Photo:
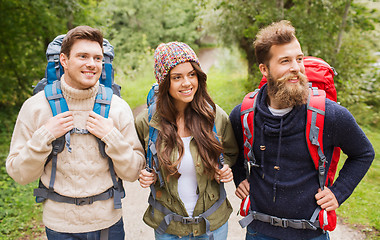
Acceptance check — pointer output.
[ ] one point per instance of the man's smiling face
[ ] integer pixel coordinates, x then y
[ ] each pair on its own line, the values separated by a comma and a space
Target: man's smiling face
84, 66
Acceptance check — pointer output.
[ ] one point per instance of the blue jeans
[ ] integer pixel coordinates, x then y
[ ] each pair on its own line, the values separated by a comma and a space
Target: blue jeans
219, 234
116, 232
253, 235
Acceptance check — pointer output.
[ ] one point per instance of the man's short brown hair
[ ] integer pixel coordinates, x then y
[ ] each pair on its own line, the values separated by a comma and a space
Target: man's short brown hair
277, 33
80, 32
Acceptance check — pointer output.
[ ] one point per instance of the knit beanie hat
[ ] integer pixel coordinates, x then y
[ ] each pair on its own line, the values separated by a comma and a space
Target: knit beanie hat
169, 55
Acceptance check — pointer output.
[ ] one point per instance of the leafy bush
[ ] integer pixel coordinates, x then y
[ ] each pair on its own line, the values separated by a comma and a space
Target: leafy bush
19, 214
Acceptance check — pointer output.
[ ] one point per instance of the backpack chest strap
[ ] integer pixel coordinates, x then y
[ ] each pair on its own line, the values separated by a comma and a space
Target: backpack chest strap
43, 193
311, 224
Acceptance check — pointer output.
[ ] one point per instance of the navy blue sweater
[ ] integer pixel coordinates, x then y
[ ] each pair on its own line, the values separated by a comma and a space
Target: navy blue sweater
289, 192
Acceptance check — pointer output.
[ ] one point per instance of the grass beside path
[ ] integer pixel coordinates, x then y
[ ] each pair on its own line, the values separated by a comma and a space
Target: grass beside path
226, 79
361, 209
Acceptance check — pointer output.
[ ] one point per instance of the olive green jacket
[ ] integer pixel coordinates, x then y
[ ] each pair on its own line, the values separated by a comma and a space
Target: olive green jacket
208, 189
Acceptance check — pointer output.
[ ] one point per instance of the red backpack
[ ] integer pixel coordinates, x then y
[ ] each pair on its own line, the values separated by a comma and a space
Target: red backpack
321, 76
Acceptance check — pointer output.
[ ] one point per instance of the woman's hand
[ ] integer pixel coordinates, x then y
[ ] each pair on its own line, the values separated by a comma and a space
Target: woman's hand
147, 178
224, 174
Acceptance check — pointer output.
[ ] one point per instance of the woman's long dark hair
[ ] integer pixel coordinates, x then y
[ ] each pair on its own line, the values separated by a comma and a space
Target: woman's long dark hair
199, 119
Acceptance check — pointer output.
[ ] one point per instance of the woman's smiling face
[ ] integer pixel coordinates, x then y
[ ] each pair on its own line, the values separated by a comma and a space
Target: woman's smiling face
183, 84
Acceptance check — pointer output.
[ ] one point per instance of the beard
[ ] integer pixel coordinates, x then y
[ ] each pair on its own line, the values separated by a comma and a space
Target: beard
289, 95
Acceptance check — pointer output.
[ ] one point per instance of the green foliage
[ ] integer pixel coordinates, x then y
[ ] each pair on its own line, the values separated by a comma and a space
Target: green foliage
135, 92
364, 100
26, 29
19, 214
7, 118
136, 27
323, 29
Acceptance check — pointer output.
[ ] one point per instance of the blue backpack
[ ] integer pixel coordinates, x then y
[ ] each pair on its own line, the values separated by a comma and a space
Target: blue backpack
51, 85
153, 164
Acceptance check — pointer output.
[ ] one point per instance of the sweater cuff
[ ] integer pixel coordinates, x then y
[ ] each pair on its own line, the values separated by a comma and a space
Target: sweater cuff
113, 136
338, 195
43, 135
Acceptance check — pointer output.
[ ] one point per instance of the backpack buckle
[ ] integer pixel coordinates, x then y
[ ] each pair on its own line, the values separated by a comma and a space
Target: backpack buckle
279, 222
308, 225
275, 221
83, 201
191, 220
253, 164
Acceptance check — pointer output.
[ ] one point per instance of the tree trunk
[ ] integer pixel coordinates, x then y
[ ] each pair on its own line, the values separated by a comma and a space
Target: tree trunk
70, 20
342, 26
247, 45
280, 7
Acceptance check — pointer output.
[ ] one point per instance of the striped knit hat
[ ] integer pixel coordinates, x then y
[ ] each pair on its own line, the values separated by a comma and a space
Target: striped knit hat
169, 55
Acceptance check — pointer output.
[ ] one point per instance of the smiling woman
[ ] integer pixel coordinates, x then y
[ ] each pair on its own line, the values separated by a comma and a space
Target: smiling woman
189, 151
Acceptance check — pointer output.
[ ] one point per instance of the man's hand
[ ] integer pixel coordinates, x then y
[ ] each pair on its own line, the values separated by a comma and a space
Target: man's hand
98, 125
242, 190
146, 178
326, 199
60, 124
224, 174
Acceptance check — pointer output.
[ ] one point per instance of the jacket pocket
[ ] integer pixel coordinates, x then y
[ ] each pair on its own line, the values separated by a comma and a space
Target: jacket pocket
212, 194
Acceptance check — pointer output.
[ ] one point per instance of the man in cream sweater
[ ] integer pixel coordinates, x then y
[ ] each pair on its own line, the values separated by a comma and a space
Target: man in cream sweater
83, 172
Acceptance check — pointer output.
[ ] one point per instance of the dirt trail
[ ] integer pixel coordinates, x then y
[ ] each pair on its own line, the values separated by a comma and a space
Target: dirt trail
136, 201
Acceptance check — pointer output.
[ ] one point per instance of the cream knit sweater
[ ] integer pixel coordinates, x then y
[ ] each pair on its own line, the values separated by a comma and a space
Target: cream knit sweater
81, 173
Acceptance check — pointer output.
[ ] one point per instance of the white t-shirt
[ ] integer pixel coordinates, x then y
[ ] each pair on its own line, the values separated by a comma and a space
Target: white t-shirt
187, 182
279, 112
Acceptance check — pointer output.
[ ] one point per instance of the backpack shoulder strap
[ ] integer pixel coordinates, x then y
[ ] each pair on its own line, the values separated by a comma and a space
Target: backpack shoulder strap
314, 130
221, 156
55, 98
151, 155
102, 106
103, 101
247, 113
58, 105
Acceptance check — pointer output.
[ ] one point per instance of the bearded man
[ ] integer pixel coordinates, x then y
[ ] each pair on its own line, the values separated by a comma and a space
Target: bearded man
284, 182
